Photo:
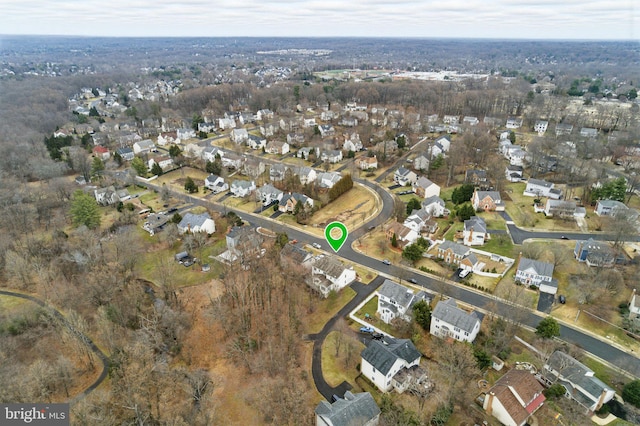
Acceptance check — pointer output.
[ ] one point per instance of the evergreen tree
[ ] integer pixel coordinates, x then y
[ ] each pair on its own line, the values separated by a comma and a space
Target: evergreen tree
190, 186
394, 240
413, 204
138, 165
548, 328
97, 167
84, 210
174, 151
422, 314
156, 169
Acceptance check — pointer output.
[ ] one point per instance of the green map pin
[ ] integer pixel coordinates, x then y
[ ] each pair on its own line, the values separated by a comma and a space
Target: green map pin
336, 243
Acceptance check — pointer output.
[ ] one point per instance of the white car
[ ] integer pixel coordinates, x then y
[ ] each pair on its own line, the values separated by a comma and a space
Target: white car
316, 245
464, 273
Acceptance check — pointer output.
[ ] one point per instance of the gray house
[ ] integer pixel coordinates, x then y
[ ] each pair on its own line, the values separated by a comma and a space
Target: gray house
450, 321
396, 301
354, 409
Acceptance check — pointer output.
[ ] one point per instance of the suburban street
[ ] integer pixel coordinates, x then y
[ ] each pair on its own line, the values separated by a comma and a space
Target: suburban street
590, 343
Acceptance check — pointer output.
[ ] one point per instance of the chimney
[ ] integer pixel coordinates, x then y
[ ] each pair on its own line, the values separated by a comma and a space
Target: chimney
471, 235
489, 409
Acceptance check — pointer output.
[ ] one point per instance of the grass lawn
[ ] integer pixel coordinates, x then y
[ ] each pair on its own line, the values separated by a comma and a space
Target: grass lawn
365, 275
370, 308
493, 220
336, 368
351, 208
455, 227
375, 244
326, 309
9, 303
500, 245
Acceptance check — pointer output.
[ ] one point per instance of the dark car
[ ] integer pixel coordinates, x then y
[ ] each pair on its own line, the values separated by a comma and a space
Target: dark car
413, 281
172, 210
377, 336
562, 299
563, 238
188, 262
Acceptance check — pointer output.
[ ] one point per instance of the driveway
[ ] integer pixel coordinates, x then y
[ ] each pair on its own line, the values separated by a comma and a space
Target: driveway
545, 302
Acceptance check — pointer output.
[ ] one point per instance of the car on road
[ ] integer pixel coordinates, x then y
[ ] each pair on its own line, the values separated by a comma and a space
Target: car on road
371, 228
365, 329
464, 273
293, 242
413, 281
563, 238
172, 210
386, 262
316, 245
377, 336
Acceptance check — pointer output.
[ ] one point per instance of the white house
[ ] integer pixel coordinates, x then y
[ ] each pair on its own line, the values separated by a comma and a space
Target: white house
579, 381
163, 162
540, 127
396, 301
125, 153
475, 232
209, 153
352, 143
242, 188
216, 184
269, 194
404, 177
143, 146
514, 123
536, 273
226, 123
197, 223
185, 133
328, 179
421, 162
239, 136
166, 138
329, 274
514, 398
381, 362
331, 155
513, 173
305, 151
277, 147
434, 205
448, 320
417, 220
256, 142
424, 188
541, 188
365, 162
326, 130
609, 207
306, 175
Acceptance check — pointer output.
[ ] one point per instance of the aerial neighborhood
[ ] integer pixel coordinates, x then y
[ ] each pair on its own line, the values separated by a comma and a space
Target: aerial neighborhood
488, 275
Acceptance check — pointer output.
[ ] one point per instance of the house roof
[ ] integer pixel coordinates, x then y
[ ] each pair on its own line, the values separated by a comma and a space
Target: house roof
295, 253
539, 182
494, 195
330, 265
394, 291
242, 184
354, 409
382, 356
456, 248
540, 268
434, 199
193, 220
573, 374
423, 182
476, 223
269, 189
403, 171
479, 174
612, 204
519, 393
147, 143
449, 312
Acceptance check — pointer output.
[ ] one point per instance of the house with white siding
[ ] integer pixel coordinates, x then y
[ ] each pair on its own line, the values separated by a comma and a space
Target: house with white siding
450, 321
382, 361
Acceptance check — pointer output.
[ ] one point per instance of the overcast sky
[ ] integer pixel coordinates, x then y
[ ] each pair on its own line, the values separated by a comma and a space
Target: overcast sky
548, 19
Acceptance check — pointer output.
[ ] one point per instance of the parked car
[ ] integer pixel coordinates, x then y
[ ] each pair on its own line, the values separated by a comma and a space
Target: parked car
563, 238
365, 329
316, 245
377, 336
413, 281
464, 273
293, 242
386, 262
562, 299
188, 262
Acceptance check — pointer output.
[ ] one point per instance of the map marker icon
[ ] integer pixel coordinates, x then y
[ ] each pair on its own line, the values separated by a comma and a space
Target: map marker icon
336, 234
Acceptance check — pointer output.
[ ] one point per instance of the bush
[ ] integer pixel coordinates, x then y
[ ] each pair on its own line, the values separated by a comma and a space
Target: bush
631, 393
555, 391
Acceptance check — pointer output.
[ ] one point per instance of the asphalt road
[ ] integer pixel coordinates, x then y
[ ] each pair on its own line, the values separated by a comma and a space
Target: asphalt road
587, 342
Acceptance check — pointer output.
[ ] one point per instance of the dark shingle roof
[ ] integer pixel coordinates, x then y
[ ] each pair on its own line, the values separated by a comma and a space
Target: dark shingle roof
449, 312
354, 409
382, 357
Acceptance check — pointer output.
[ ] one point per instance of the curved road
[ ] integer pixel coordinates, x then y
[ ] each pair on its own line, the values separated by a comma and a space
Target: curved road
589, 343
101, 355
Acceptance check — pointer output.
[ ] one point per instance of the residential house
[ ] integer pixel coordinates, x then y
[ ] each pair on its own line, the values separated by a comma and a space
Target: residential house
515, 154
309, 122
440, 146
101, 152
185, 133
329, 274
354, 409
242, 188
256, 142
162, 161
450, 321
364, 162
541, 188
253, 167
450, 119
328, 115
296, 256
295, 139
541, 127
289, 201
306, 175
513, 173
106, 196
264, 115
277, 147
328, 179
386, 147
277, 172
143, 146
514, 123
210, 153
417, 220
476, 177
452, 253
349, 121
166, 138
197, 223
514, 398
326, 130
216, 184
352, 143
226, 123
421, 162
536, 273
231, 160
246, 118
491, 122
579, 381
404, 235
609, 207
434, 205
404, 177
424, 188
470, 121
207, 127
306, 151
269, 129
332, 156
588, 132
594, 253
243, 242
475, 232
155, 223
269, 194
487, 201
396, 301
564, 129
239, 136
126, 154
381, 362
560, 208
